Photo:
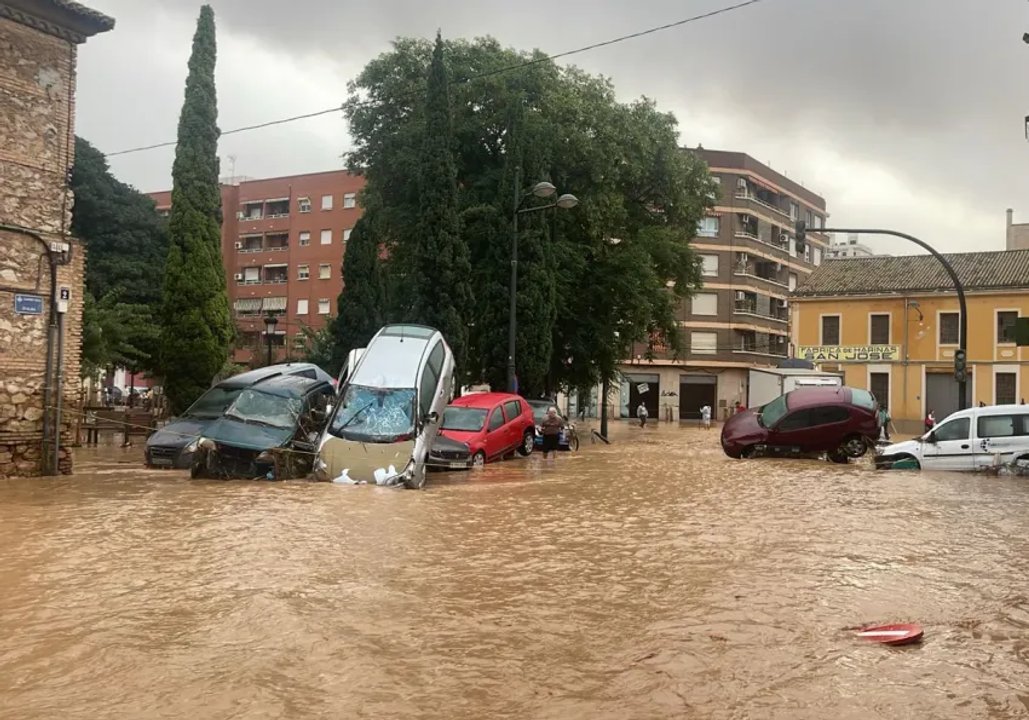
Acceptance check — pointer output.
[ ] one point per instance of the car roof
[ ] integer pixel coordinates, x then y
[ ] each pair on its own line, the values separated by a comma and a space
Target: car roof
990, 410
541, 402
812, 396
245, 379
484, 400
394, 356
294, 386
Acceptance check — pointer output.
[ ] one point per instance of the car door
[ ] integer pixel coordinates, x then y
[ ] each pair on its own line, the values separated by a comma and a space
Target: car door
512, 413
1002, 435
793, 430
495, 438
950, 447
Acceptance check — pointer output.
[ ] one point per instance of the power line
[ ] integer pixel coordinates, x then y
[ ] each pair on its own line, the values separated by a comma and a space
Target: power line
491, 73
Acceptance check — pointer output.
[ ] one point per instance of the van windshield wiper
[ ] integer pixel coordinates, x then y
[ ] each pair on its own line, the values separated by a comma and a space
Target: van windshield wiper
353, 417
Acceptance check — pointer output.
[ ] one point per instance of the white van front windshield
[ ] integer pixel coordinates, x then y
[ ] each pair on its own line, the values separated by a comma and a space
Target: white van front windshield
375, 414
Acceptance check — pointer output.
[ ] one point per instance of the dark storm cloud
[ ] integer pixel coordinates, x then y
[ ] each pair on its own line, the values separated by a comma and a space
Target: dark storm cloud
900, 111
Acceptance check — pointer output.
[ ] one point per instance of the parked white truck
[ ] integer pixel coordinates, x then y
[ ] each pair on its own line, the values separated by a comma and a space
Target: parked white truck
765, 385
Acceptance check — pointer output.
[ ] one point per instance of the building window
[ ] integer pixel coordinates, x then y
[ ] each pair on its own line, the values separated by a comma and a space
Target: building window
792, 282
349, 201
879, 330
807, 252
830, 330
346, 235
326, 202
705, 304
326, 237
302, 306
251, 275
794, 211
949, 328
323, 306
817, 257
1006, 388
879, 385
305, 238
324, 271
304, 204
704, 343
708, 227
710, 265
303, 272
1006, 321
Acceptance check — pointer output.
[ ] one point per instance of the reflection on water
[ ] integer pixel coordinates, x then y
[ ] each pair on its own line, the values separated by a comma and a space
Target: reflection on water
653, 578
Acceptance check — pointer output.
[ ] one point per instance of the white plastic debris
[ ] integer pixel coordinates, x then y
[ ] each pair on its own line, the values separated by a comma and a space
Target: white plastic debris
345, 479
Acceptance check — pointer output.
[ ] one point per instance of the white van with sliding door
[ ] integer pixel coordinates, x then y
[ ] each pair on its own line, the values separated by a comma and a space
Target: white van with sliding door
968, 440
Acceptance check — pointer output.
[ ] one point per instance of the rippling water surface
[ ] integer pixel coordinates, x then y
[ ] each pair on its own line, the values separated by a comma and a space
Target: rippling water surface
654, 578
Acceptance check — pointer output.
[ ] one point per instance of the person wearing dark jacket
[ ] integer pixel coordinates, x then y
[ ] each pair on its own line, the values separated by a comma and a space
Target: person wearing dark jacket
551, 427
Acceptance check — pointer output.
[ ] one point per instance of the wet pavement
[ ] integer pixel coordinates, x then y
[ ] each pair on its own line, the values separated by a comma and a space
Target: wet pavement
653, 578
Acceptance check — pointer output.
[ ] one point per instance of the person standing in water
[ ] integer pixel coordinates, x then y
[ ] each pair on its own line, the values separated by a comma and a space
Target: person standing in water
705, 417
551, 427
641, 413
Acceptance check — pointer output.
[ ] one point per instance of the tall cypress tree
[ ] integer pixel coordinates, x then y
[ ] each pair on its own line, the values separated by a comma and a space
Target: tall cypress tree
196, 324
443, 291
360, 304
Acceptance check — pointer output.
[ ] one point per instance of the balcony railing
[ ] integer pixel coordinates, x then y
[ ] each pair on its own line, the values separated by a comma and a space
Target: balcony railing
746, 195
277, 280
749, 307
750, 270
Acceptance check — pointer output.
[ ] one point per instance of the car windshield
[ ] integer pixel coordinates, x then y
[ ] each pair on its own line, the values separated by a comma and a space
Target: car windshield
213, 403
463, 419
539, 412
773, 412
375, 414
263, 408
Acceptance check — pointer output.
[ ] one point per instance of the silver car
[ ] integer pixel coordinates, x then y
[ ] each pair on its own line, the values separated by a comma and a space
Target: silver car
388, 413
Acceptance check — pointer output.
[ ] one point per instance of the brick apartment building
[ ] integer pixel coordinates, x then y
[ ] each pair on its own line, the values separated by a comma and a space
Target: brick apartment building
282, 245
740, 318
38, 45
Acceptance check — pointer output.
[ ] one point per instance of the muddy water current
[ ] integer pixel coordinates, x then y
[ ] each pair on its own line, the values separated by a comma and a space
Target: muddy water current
653, 578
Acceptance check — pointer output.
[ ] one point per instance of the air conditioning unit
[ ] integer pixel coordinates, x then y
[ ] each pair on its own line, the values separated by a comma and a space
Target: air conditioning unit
784, 238
238, 245
238, 276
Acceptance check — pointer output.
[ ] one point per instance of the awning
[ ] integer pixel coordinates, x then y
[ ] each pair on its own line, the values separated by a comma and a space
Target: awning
248, 305
274, 303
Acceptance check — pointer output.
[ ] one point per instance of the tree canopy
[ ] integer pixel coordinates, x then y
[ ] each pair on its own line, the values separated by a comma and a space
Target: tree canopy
196, 325
360, 304
127, 243
582, 300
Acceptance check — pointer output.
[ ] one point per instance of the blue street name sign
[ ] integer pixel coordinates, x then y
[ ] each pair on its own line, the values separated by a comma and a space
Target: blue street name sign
28, 304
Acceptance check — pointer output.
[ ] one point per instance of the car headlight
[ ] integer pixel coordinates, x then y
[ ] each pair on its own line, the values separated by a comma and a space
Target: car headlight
192, 447
206, 443
265, 456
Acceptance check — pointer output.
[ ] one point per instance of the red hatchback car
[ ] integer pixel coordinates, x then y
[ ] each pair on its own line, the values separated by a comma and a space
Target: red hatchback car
493, 425
840, 421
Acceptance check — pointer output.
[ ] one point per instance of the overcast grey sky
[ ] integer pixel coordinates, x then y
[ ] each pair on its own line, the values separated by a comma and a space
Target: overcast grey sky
902, 113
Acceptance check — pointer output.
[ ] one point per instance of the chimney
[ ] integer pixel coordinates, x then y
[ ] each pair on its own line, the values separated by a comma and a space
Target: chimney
1011, 215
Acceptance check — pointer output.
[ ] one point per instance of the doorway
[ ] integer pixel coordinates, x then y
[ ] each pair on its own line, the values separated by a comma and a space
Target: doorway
696, 391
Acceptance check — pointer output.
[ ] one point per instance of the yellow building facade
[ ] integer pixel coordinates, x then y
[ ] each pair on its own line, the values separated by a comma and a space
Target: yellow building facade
890, 325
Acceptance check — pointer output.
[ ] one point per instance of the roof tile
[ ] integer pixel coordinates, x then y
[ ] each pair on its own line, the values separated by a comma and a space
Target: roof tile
1007, 269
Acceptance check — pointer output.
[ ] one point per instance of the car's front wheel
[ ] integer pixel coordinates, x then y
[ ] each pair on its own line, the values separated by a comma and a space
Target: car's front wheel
479, 459
528, 443
839, 456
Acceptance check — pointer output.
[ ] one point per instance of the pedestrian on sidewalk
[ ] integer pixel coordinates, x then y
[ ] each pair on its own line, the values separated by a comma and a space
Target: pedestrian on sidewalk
705, 417
641, 413
886, 422
551, 428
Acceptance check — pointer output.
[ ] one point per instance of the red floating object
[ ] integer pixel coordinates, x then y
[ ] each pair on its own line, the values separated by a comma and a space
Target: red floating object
901, 634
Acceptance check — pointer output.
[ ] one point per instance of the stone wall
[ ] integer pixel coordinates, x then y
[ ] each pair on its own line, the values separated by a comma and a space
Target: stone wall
37, 81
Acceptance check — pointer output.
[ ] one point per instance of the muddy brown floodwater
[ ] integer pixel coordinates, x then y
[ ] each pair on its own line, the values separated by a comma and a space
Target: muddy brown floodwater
654, 578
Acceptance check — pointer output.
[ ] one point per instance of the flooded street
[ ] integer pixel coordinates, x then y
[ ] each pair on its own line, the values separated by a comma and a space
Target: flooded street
654, 578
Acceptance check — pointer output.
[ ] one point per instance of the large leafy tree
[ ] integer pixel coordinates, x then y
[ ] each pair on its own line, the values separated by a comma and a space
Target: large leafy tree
582, 300
360, 304
442, 296
127, 244
196, 325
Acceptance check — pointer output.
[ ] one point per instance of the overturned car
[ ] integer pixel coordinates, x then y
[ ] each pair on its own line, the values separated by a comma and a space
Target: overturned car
269, 432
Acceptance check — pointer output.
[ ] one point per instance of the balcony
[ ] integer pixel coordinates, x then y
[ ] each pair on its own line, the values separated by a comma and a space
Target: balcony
749, 305
276, 277
765, 344
761, 197
250, 244
276, 208
769, 272
277, 242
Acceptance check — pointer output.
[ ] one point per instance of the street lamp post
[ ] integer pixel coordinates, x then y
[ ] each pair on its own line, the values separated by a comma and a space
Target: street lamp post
960, 371
540, 190
270, 321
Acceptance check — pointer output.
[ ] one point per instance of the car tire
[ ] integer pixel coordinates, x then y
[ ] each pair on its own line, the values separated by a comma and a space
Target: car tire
416, 481
748, 452
839, 457
528, 443
573, 443
854, 446
479, 459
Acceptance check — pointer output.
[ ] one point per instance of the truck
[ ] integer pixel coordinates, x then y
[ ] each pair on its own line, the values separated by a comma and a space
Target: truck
766, 384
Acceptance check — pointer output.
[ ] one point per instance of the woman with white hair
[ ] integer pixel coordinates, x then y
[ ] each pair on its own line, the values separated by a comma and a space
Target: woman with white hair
551, 428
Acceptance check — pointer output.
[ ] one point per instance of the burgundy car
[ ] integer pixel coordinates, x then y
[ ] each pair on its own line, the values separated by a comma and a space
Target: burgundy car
842, 422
